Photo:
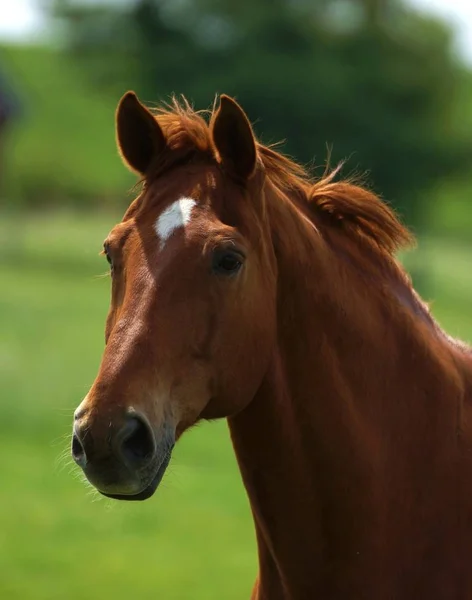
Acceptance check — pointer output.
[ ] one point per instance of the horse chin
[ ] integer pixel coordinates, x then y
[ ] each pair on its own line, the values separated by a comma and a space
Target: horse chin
149, 490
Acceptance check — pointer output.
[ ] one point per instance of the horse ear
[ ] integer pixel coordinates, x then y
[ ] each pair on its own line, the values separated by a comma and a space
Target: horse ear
139, 136
233, 139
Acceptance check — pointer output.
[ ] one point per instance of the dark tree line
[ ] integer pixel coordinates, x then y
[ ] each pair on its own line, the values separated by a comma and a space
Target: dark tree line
369, 79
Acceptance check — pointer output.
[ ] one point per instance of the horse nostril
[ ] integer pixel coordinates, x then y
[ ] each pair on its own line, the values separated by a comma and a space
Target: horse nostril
78, 452
137, 441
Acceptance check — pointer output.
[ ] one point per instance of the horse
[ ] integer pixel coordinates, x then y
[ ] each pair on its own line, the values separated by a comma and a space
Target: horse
245, 288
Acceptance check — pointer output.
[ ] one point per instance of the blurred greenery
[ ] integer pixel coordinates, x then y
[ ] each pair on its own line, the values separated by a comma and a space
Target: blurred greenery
63, 149
372, 80
194, 539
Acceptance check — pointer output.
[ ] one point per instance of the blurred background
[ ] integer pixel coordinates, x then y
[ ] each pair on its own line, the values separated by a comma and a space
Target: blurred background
386, 84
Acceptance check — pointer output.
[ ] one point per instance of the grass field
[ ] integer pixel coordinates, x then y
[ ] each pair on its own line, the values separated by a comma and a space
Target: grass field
194, 539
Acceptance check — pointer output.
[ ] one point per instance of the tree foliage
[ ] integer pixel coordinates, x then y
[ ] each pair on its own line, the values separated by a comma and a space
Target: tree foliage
369, 79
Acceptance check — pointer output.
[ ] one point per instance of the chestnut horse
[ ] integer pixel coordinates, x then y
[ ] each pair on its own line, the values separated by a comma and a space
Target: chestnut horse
243, 288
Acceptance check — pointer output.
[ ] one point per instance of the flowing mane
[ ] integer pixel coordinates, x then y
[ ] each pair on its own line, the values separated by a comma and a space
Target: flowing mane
343, 205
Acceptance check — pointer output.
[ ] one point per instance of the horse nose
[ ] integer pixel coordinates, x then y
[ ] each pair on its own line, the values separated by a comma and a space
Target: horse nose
78, 447
133, 445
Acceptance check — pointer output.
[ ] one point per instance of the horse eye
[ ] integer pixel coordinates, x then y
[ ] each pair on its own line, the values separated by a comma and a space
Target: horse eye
227, 263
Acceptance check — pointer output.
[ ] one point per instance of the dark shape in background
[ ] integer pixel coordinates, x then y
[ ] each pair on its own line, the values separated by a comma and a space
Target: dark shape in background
10, 111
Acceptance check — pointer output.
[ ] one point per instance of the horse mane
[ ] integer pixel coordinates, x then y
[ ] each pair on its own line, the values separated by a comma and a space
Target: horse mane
345, 205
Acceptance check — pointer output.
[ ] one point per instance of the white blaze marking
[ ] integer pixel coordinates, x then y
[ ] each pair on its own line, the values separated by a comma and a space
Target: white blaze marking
176, 215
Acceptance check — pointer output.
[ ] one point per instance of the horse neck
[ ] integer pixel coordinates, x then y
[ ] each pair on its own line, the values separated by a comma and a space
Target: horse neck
311, 443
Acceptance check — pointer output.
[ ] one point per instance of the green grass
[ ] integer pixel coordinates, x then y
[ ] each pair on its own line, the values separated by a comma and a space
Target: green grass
194, 539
